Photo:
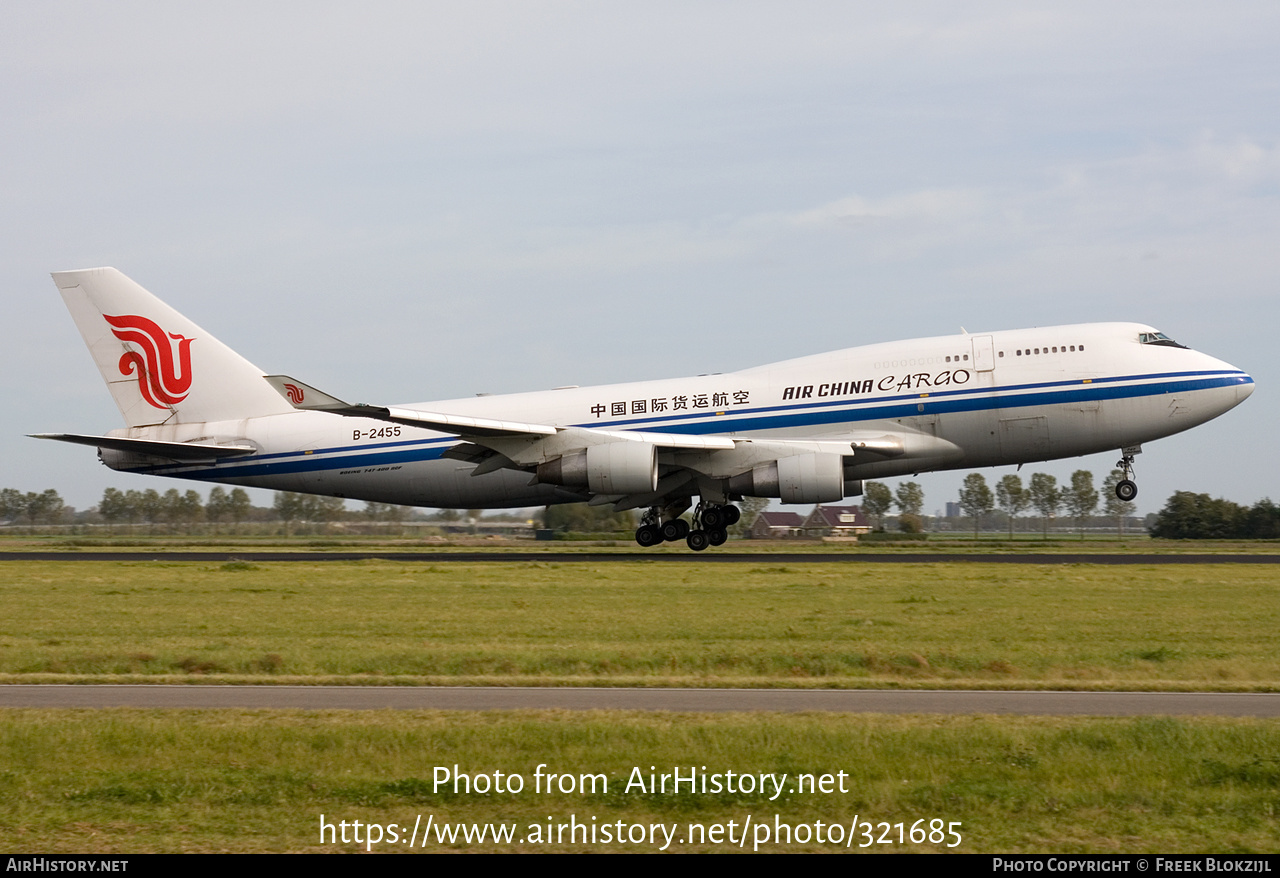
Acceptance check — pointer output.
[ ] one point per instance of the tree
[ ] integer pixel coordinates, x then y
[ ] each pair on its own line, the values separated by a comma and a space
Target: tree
1081, 498
171, 508
1114, 506
1188, 516
389, 513
396, 515
114, 507
190, 509
910, 499
1045, 497
289, 507
46, 506
876, 500
1262, 522
329, 510
751, 508
238, 505
581, 518
133, 502
151, 508
217, 506
12, 504
976, 499
1012, 498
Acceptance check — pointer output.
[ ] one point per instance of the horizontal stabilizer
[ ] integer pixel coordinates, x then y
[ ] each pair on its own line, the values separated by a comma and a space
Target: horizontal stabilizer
171, 450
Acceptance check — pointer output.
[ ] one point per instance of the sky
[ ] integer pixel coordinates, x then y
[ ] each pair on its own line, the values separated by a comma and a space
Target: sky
411, 201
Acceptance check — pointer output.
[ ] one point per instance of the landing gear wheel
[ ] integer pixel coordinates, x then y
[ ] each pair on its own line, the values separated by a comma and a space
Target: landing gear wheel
648, 535
717, 537
732, 515
713, 518
1126, 490
697, 540
675, 529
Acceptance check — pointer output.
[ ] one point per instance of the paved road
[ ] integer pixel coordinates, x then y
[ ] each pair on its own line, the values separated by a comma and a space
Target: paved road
512, 698
437, 557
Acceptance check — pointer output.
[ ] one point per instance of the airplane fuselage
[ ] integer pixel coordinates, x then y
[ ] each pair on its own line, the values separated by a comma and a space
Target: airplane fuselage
952, 402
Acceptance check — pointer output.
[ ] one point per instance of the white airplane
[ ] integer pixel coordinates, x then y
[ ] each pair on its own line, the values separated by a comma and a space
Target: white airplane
807, 430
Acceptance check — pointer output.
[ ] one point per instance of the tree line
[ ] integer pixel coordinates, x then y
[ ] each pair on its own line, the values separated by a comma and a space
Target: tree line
977, 499
183, 511
1188, 516
1079, 499
1185, 516
45, 507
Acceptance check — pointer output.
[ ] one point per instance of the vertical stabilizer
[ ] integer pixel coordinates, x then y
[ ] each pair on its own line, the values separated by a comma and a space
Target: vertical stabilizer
160, 367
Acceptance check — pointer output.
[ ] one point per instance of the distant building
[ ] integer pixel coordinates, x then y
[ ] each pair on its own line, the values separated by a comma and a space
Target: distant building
836, 521
953, 510
777, 526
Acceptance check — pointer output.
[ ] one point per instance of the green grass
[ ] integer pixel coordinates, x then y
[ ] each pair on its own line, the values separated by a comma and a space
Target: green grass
117, 781
139, 781
644, 623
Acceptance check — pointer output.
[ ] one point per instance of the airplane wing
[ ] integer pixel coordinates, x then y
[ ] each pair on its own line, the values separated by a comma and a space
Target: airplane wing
308, 398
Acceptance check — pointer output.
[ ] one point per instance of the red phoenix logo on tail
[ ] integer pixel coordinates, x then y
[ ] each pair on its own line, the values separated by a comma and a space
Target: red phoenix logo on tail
162, 382
295, 393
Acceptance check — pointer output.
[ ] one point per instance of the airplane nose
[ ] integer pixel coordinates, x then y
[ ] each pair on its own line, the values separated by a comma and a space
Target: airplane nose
1244, 388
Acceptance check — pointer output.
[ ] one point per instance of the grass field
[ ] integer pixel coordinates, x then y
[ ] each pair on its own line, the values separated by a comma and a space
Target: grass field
644, 623
138, 781
126, 781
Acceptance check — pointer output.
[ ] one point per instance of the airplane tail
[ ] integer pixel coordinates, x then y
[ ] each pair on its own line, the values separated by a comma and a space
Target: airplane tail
160, 367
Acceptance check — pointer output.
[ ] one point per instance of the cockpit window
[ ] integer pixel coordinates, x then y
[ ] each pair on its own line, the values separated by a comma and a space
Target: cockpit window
1159, 338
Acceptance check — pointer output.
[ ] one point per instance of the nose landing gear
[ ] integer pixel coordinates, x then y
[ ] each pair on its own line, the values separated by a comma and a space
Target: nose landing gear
1126, 488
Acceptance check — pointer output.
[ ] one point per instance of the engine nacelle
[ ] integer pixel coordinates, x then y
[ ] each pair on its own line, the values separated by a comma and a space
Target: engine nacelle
612, 468
800, 478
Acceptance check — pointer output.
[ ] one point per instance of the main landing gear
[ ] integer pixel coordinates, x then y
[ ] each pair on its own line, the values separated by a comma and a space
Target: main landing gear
654, 530
1126, 489
710, 527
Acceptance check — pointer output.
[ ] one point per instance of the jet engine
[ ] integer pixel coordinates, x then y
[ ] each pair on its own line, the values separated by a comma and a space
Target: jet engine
611, 468
802, 478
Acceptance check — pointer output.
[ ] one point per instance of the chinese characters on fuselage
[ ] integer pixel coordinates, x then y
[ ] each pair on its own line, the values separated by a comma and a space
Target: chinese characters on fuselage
659, 404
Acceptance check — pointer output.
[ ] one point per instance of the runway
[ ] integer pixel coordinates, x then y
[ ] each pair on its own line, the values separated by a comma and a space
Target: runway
950, 702
711, 557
